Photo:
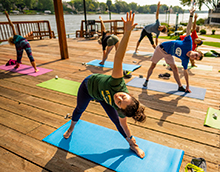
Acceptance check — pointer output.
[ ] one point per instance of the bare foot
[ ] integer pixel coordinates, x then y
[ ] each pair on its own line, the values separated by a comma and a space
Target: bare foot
101, 63
17, 66
37, 70
67, 134
138, 151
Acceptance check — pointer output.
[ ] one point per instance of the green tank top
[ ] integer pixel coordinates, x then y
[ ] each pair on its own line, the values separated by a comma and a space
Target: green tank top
103, 87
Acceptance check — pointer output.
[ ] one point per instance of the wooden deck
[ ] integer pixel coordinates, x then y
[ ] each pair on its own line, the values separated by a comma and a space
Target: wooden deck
29, 113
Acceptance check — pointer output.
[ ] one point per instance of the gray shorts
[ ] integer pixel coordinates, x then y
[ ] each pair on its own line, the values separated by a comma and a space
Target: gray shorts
159, 53
112, 40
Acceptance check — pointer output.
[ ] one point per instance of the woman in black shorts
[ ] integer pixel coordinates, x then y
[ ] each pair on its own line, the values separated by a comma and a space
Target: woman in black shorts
108, 41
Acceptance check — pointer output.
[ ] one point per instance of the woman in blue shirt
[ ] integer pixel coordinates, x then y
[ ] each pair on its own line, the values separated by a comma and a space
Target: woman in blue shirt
180, 49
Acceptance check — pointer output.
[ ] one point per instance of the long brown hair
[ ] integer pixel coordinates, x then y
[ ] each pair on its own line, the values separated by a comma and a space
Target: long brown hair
134, 110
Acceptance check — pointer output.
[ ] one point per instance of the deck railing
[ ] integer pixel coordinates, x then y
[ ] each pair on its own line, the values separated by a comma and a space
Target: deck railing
28, 29
113, 26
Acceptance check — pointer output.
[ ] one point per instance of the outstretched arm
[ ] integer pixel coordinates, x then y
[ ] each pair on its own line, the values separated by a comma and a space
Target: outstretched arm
119, 55
130, 139
102, 24
194, 24
157, 13
10, 23
188, 29
186, 75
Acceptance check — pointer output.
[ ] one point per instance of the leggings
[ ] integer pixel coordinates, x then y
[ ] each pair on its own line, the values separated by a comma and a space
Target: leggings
83, 99
24, 44
149, 35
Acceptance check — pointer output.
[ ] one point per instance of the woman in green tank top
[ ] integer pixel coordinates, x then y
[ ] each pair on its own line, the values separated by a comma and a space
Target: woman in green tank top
112, 94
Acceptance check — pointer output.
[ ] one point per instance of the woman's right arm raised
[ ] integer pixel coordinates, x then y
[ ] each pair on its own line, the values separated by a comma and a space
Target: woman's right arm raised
10, 23
119, 55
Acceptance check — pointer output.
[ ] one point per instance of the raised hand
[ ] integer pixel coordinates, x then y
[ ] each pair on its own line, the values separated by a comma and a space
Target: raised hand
158, 5
100, 18
129, 23
192, 11
196, 16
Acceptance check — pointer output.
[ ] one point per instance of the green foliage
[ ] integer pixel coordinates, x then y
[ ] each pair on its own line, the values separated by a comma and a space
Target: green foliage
184, 24
213, 32
202, 31
208, 3
77, 6
165, 24
200, 22
7, 4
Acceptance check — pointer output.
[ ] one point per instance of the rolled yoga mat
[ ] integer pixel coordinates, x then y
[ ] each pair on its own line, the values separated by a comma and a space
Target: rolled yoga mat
108, 64
167, 87
107, 147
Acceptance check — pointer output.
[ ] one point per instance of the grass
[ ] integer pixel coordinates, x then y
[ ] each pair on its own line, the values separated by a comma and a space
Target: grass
213, 36
214, 44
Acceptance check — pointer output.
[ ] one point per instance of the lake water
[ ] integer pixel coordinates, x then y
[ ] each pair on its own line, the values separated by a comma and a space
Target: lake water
73, 22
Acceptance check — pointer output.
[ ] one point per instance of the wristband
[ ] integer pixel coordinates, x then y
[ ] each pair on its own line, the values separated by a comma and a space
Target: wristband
131, 137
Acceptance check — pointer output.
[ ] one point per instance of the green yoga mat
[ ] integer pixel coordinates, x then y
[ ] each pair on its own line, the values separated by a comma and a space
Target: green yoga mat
61, 85
212, 118
179, 64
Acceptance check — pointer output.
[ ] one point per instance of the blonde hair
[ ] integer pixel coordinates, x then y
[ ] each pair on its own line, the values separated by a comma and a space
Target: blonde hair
11, 41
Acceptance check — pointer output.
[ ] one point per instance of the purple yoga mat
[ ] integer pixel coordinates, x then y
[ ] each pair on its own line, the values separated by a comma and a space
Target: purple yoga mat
25, 69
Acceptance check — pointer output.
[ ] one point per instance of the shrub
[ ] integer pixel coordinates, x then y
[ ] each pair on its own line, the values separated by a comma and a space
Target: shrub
200, 22
165, 24
184, 24
203, 32
213, 32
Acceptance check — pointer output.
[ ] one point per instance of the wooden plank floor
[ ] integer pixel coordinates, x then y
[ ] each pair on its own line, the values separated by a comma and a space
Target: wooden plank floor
29, 113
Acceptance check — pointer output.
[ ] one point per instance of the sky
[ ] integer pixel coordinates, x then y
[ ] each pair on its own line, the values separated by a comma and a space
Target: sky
149, 2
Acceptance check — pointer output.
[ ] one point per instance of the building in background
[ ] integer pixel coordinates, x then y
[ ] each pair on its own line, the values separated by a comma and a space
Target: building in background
214, 15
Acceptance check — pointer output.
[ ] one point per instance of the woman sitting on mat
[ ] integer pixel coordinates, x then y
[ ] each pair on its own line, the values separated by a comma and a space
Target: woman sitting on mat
111, 92
108, 41
20, 43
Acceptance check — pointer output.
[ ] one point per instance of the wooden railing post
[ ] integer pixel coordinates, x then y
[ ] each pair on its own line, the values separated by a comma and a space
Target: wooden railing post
58, 7
49, 28
38, 25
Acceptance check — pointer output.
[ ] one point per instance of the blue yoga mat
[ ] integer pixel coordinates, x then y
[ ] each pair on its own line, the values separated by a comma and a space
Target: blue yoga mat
167, 87
128, 67
108, 148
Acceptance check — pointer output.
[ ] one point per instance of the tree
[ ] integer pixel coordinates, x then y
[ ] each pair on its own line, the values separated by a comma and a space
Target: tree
177, 9
45, 5
121, 6
102, 6
133, 6
211, 4
153, 8
7, 5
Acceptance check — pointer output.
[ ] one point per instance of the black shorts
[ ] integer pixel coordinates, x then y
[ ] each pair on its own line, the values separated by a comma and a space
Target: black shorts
149, 35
